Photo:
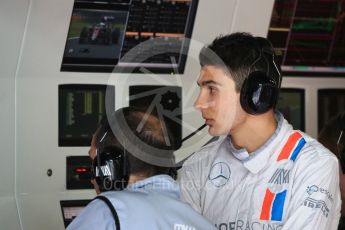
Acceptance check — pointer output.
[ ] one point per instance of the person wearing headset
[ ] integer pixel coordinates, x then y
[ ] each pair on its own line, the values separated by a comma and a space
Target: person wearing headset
260, 173
332, 136
93, 149
135, 193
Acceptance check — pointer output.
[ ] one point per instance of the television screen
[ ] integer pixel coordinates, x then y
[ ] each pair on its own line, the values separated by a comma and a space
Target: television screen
81, 108
309, 36
131, 35
291, 105
71, 208
330, 103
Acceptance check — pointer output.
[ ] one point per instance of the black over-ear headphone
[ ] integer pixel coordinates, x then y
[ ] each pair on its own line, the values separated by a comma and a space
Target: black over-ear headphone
110, 166
260, 90
340, 145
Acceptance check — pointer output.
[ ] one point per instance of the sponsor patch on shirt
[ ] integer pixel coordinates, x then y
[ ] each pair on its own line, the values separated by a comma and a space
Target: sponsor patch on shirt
318, 198
219, 174
275, 194
248, 225
317, 204
314, 189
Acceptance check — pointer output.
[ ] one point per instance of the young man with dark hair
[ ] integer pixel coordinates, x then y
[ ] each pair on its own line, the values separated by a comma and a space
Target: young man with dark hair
260, 173
150, 197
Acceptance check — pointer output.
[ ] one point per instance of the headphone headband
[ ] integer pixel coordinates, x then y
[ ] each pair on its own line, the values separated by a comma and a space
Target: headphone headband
266, 47
260, 90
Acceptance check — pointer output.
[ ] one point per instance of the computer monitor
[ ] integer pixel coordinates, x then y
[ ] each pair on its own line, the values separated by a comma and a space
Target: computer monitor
330, 103
78, 172
71, 208
81, 108
102, 34
309, 37
291, 105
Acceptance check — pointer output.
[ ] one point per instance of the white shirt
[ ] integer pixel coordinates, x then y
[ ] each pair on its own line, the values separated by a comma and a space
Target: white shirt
235, 190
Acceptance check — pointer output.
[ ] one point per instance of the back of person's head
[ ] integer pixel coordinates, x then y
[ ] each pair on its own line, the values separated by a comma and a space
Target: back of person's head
250, 62
135, 139
150, 131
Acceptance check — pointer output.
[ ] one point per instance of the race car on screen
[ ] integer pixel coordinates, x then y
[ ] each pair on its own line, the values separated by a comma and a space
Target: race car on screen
100, 33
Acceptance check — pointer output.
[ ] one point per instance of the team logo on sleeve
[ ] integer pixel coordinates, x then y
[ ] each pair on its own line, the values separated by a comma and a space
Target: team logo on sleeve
219, 174
277, 188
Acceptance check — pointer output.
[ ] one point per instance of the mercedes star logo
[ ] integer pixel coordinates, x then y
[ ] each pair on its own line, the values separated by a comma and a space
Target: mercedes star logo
219, 174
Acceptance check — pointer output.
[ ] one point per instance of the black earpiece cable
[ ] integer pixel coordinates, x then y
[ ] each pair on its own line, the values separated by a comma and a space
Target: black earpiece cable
193, 133
98, 157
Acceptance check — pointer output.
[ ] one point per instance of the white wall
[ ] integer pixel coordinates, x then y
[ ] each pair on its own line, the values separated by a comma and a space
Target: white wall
13, 16
29, 124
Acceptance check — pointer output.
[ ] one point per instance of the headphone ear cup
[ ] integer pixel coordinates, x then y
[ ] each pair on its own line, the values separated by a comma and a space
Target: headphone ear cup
258, 93
109, 168
103, 172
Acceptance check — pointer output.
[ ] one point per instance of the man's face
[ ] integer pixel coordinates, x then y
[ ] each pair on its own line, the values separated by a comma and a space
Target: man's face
218, 100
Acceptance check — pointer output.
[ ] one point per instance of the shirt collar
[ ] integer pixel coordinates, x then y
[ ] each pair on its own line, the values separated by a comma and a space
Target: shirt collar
258, 159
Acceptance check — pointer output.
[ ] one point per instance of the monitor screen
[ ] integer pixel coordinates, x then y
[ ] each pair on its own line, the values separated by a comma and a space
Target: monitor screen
78, 172
71, 208
291, 105
131, 35
330, 103
81, 108
309, 37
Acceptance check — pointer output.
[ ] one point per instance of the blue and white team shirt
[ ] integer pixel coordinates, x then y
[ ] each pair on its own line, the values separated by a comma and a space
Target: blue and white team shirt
149, 204
291, 182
